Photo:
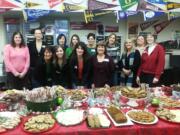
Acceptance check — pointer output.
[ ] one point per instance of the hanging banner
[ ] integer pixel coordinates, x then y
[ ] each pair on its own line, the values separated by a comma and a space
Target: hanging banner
160, 26
34, 14
90, 15
146, 25
96, 5
144, 5
126, 4
71, 7
3, 10
173, 6
125, 14
148, 15
159, 3
37, 4
7, 4
54, 3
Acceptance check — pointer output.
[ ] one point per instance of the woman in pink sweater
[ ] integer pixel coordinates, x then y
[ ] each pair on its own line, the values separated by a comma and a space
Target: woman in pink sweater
17, 60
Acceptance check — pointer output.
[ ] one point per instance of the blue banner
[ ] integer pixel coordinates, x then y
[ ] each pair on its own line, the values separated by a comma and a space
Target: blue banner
125, 14
148, 15
157, 1
34, 14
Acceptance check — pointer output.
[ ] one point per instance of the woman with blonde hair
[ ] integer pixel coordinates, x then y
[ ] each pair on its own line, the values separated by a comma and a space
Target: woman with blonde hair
129, 64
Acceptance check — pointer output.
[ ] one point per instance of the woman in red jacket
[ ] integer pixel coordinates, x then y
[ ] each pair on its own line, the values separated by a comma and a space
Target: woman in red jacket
152, 63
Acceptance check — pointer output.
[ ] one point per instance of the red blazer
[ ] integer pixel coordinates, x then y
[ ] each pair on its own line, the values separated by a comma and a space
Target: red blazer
153, 63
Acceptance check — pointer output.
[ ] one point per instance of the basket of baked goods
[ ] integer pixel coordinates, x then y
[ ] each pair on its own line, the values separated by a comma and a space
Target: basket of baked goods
42, 99
134, 97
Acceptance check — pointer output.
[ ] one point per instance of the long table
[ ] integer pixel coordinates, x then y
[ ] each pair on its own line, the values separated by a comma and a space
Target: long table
161, 128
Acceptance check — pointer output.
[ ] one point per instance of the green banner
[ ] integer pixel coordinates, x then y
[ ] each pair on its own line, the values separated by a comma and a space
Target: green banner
126, 4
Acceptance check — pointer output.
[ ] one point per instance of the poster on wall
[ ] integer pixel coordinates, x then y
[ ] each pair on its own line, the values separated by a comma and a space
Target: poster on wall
49, 30
132, 30
111, 29
100, 29
83, 25
99, 38
61, 27
49, 39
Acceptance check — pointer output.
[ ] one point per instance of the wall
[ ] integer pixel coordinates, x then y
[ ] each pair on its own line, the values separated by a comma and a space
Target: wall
2, 38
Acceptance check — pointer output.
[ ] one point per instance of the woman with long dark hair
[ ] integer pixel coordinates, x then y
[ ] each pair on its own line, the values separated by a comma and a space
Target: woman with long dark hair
79, 65
74, 41
17, 61
44, 70
60, 67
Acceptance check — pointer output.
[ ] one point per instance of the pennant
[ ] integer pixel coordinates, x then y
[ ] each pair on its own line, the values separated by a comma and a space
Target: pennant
125, 14
34, 14
172, 5
7, 4
160, 26
89, 15
146, 25
53, 3
31, 4
3, 10
96, 5
173, 15
163, 2
126, 4
71, 7
144, 5
148, 15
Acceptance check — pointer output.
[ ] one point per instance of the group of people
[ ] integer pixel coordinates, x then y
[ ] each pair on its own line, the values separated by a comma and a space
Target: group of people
78, 64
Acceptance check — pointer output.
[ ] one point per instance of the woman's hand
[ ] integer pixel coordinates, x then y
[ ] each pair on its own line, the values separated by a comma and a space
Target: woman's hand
138, 80
155, 80
21, 75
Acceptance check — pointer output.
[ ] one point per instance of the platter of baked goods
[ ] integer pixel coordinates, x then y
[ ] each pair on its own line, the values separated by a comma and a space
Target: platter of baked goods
98, 92
78, 95
98, 121
142, 117
170, 115
8, 121
70, 117
117, 116
169, 102
39, 124
135, 93
134, 97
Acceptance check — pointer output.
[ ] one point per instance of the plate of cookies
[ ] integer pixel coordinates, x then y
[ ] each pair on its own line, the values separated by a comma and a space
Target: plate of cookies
39, 124
142, 117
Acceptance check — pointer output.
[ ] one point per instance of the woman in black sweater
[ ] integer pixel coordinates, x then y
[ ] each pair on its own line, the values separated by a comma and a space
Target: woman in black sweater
101, 67
60, 67
79, 65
